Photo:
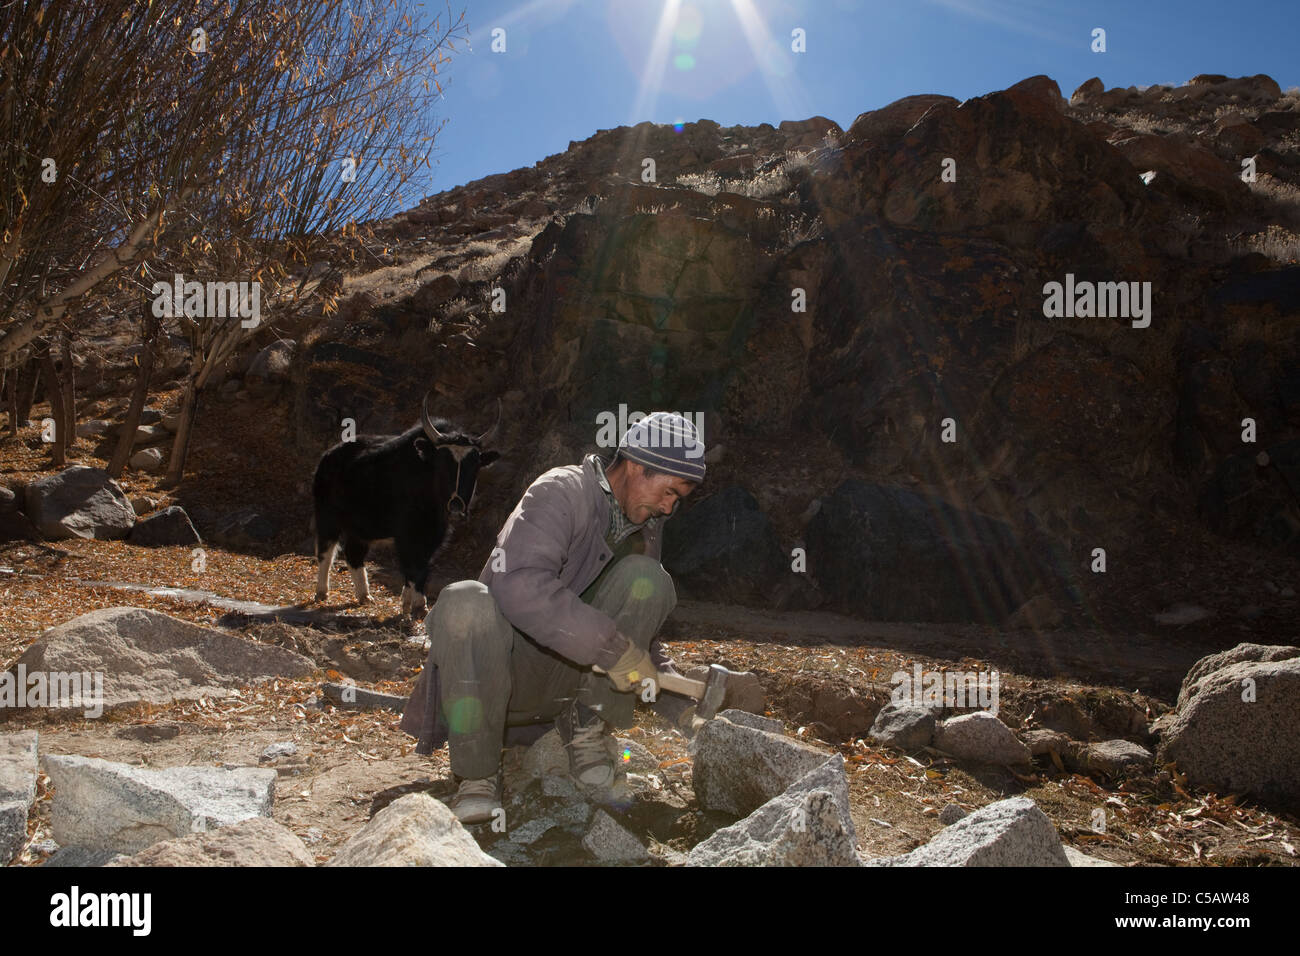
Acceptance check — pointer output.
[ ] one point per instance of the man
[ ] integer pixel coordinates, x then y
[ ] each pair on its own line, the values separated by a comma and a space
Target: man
560, 624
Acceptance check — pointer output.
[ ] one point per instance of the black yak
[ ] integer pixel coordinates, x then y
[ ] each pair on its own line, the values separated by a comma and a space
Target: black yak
407, 487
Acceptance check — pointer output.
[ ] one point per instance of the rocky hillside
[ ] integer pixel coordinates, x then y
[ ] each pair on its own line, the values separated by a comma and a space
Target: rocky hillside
860, 315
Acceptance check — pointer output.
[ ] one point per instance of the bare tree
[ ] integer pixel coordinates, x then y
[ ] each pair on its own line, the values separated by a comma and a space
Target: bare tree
223, 138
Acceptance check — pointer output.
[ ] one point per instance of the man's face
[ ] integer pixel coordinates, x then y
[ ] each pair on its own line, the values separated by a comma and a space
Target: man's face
648, 497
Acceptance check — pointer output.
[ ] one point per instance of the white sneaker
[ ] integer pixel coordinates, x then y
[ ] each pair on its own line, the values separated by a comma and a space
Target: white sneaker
590, 760
475, 801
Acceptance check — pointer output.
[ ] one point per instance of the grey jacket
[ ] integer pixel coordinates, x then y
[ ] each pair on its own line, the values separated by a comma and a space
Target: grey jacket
547, 553
549, 550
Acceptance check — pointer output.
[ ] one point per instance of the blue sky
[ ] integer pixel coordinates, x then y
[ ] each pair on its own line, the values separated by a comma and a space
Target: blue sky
572, 67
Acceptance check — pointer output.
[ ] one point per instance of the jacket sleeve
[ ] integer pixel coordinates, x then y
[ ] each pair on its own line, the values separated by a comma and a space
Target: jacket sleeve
529, 591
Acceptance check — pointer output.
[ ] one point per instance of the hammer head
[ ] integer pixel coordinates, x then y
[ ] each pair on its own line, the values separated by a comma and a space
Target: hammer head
715, 689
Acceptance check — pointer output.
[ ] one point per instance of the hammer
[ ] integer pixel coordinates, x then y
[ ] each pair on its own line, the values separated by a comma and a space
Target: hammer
708, 692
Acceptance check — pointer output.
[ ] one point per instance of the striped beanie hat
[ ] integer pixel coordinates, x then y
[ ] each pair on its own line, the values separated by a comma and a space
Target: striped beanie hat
667, 442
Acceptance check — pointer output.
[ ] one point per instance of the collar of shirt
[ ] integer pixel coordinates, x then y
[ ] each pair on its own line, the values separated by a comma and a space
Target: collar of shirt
620, 525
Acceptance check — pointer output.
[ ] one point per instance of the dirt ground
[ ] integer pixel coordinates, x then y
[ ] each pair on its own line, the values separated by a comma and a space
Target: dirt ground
823, 675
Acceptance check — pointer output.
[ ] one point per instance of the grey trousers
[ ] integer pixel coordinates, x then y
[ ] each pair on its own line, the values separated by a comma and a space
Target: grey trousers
492, 676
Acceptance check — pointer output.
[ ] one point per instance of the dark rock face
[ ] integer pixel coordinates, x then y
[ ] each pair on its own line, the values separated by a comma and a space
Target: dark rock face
922, 302
889, 554
724, 548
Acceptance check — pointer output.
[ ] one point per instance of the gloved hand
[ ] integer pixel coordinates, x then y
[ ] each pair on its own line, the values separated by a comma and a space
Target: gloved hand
633, 667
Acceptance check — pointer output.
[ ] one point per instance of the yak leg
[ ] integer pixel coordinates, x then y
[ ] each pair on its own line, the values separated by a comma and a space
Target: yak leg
354, 551
324, 561
415, 571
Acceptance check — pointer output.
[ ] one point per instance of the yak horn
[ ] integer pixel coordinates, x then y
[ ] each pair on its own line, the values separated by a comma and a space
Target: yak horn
434, 435
488, 435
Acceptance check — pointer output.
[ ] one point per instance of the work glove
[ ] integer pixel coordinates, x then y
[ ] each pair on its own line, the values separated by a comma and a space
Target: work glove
633, 667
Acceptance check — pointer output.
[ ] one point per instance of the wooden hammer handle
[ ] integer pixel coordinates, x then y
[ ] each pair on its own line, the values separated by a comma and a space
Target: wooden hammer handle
680, 685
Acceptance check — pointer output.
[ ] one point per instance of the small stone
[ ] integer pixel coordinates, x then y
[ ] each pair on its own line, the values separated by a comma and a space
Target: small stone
147, 459
277, 750
981, 736
610, 842
1117, 757
546, 756
1082, 859
951, 814
634, 757
1042, 741
352, 697
904, 726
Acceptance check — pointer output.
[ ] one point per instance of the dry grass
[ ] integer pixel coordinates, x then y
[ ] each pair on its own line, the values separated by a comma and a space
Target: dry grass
1279, 192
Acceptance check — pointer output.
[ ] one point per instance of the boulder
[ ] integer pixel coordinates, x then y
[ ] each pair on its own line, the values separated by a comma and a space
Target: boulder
1087, 91
147, 459
97, 428
808, 824
414, 830
148, 434
1242, 652
17, 790
1117, 757
1199, 174
79, 502
269, 369
171, 526
1042, 88
1007, 833
15, 526
80, 856
257, 841
145, 655
810, 132
245, 528
904, 726
738, 769
1236, 731
753, 721
980, 736
1022, 160
724, 549
885, 126
1041, 742
102, 805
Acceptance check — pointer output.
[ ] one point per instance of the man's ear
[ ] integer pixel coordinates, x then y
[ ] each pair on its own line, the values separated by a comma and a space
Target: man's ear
425, 449
486, 458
